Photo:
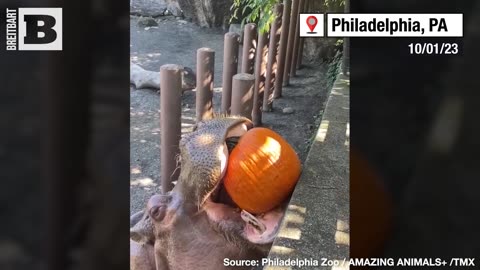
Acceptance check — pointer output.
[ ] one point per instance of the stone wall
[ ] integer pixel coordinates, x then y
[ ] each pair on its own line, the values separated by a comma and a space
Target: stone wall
216, 13
207, 13
322, 49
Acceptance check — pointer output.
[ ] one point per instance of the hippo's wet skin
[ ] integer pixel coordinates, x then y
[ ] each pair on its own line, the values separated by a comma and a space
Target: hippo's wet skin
193, 226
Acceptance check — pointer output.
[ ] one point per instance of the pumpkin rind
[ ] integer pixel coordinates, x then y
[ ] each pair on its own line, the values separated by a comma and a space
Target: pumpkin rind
371, 208
262, 171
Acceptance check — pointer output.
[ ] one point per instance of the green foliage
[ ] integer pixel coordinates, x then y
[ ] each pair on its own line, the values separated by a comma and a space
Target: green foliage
334, 3
260, 12
334, 68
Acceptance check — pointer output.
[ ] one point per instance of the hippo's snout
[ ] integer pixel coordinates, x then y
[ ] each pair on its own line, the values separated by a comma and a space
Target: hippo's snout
195, 217
204, 154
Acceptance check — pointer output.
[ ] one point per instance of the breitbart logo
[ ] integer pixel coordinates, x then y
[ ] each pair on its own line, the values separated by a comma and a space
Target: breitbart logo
34, 29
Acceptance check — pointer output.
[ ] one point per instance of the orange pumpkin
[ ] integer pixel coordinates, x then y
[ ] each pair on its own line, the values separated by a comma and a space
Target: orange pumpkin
262, 171
370, 208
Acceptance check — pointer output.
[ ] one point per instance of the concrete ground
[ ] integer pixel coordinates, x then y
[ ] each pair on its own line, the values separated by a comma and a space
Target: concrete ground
316, 225
174, 41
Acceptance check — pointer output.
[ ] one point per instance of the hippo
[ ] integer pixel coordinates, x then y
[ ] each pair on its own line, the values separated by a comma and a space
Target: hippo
196, 225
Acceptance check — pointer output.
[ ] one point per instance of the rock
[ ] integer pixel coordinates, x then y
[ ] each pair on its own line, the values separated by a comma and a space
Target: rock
148, 8
288, 110
322, 49
147, 21
142, 78
207, 13
182, 22
175, 9
237, 28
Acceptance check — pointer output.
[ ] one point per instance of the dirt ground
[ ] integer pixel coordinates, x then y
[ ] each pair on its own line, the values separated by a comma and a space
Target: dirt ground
175, 42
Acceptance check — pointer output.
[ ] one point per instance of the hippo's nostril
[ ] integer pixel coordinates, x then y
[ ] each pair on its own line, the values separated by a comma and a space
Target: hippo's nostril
153, 213
157, 212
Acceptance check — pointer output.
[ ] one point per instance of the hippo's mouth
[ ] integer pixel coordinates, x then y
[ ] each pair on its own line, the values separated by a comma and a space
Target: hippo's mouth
219, 194
260, 229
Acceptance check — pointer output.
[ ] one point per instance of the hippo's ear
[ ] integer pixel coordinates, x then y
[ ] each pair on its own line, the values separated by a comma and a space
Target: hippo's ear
135, 218
141, 229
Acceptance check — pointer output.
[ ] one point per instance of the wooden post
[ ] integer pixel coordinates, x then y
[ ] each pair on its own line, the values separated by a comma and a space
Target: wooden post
204, 95
296, 44
249, 47
306, 9
273, 54
277, 92
170, 122
290, 44
260, 68
242, 95
230, 67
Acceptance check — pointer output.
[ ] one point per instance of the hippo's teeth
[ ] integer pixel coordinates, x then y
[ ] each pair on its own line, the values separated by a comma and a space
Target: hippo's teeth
223, 154
252, 220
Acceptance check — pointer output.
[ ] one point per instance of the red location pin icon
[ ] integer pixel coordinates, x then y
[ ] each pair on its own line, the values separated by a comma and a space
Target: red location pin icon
311, 22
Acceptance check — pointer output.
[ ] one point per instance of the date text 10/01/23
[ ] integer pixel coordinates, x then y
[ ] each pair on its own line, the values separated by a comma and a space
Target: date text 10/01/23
433, 48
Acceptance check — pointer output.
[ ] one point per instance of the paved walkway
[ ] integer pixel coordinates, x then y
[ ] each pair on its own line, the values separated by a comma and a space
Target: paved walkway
316, 225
